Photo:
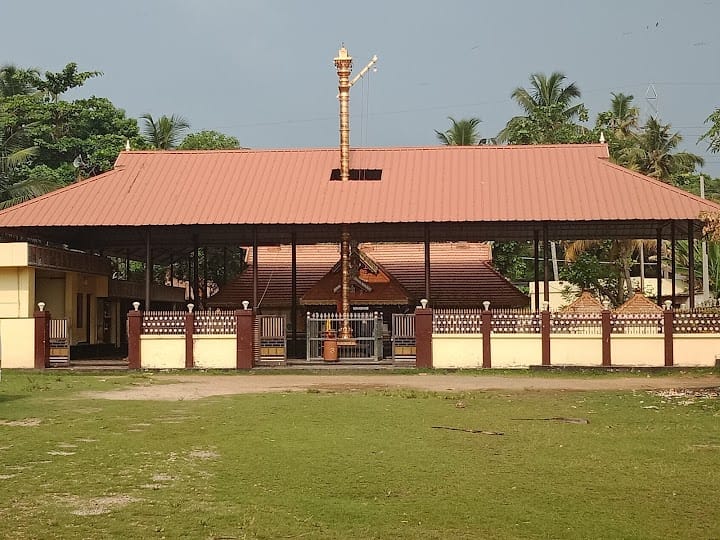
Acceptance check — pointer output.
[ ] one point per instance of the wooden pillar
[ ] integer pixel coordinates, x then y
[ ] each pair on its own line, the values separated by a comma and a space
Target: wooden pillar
486, 327
423, 337
148, 268
427, 262
536, 259
127, 265
172, 270
189, 339
293, 293
673, 263
691, 263
255, 269
134, 330
546, 264
205, 278
658, 248
42, 339
545, 336
668, 329
606, 331
245, 323
196, 272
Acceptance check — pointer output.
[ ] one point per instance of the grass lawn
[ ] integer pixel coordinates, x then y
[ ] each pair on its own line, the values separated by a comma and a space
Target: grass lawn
353, 464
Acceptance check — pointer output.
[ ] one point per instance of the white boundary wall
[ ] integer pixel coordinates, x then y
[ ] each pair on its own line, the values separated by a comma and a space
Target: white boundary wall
464, 351
162, 352
217, 351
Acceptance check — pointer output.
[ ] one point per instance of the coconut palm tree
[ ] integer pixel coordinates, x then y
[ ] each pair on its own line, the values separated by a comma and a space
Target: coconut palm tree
652, 153
11, 191
166, 132
623, 116
15, 81
462, 132
547, 92
551, 110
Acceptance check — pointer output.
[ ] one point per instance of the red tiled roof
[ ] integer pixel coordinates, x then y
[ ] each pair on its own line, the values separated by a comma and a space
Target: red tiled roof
419, 185
275, 275
585, 303
639, 303
461, 274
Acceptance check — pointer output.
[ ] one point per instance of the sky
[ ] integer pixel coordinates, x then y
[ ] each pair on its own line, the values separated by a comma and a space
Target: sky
262, 71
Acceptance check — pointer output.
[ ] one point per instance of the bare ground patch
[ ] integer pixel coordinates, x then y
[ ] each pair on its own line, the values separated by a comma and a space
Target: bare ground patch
98, 505
26, 422
192, 387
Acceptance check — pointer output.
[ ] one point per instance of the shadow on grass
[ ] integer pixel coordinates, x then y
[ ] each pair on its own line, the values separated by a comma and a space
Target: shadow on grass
10, 397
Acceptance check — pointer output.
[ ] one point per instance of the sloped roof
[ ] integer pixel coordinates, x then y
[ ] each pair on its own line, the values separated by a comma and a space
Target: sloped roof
275, 275
461, 274
585, 303
384, 290
639, 303
445, 184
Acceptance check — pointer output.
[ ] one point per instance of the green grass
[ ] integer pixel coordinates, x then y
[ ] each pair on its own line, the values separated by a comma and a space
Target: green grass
353, 464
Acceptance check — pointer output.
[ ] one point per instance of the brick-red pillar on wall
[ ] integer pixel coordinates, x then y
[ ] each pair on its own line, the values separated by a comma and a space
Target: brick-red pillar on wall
545, 336
606, 331
189, 327
134, 320
668, 319
423, 338
486, 327
245, 321
42, 339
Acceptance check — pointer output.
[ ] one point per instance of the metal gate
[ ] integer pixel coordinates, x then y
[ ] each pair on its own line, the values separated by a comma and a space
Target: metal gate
366, 330
59, 343
272, 338
403, 337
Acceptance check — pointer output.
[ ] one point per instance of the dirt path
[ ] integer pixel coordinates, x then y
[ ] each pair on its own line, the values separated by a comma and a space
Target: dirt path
182, 387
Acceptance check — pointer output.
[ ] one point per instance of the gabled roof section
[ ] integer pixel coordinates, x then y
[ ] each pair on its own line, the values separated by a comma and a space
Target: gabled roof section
419, 185
381, 289
585, 303
639, 303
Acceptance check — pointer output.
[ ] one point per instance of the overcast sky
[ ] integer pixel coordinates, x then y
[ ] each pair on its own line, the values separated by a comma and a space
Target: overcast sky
262, 70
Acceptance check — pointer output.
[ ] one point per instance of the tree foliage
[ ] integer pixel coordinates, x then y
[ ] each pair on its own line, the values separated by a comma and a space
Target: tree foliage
209, 140
47, 142
653, 153
164, 133
462, 132
551, 112
590, 271
712, 135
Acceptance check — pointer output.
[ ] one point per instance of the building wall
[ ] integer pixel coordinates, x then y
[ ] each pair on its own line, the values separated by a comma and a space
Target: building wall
17, 343
79, 288
51, 290
17, 291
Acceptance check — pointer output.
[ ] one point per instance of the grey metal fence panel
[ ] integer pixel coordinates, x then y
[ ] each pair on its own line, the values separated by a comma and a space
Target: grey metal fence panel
366, 330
